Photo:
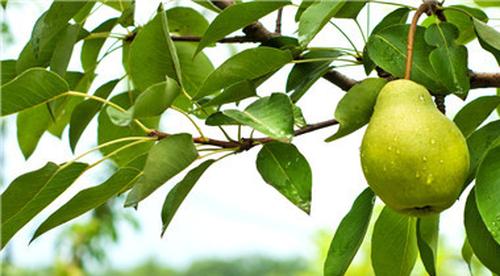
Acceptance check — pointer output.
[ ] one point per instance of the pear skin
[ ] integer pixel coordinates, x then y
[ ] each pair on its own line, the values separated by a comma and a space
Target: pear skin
413, 157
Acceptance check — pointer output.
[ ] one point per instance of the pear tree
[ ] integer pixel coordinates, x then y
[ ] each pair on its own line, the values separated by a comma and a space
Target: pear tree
415, 159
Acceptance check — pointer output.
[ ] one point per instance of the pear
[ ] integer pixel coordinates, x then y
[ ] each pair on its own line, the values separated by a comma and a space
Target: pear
413, 157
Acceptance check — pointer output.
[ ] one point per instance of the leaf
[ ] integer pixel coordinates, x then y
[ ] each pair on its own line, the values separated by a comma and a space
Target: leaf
467, 254
31, 88
350, 234
351, 9
427, 241
479, 143
458, 15
473, 114
304, 4
234, 93
120, 118
107, 131
488, 191
52, 22
64, 48
219, 119
272, 115
394, 244
398, 16
119, 5
166, 159
489, 38
127, 17
31, 124
92, 47
7, 71
448, 60
387, 49
156, 99
298, 117
236, 17
85, 111
179, 192
486, 249
304, 75
207, 4
247, 65
81, 16
356, 107
186, 21
30, 193
88, 199
150, 60
315, 17
282, 166
172, 52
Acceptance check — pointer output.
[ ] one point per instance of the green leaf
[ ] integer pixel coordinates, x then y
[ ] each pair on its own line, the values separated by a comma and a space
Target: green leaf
156, 99
304, 75
315, 17
271, 115
487, 3
120, 118
304, 4
488, 191
351, 9
427, 241
479, 143
31, 124
85, 111
81, 16
186, 21
474, 113
107, 131
30, 193
247, 65
150, 59
387, 48
356, 107
486, 249
179, 192
119, 5
489, 38
219, 119
282, 166
467, 254
7, 71
92, 47
166, 159
52, 22
234, 93
63, 107
64, 48
172, 51
236, 17
396, 17
207, 4
88, 199
394, 244
449, 61
458, 15
298, 117
31, 88
127, 17
350, 234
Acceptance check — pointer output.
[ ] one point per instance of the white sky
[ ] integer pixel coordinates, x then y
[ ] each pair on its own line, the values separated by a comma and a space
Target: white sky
231, 211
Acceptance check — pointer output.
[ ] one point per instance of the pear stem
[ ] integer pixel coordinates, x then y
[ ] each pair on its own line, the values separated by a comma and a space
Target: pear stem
429, 7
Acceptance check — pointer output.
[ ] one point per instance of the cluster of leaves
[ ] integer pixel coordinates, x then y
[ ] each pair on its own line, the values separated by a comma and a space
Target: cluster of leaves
167, 73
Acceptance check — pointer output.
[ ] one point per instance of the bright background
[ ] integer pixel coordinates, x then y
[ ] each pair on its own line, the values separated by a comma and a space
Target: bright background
231, 211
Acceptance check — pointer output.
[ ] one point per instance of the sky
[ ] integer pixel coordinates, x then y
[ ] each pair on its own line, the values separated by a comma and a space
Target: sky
231, 211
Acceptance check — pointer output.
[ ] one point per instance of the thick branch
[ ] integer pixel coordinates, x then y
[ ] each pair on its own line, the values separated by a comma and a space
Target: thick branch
342, 81
483, 80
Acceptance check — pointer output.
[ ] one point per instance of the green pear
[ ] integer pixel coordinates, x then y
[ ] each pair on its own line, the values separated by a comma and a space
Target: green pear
413, 157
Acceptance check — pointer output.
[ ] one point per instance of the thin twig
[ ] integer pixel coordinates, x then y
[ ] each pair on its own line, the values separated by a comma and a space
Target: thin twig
427, 6
278, 21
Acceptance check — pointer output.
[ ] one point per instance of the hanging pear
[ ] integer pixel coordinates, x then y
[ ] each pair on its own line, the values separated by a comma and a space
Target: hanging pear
413, 157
